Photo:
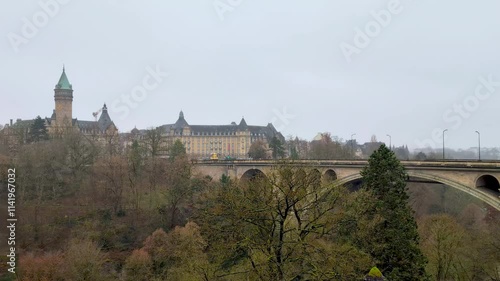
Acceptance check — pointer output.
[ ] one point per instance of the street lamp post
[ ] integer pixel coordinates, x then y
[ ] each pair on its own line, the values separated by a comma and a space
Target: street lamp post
390, 142
352, 145
479, 144
443, 141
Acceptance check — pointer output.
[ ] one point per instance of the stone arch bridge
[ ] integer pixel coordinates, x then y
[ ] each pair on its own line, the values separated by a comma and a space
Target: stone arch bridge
477, 178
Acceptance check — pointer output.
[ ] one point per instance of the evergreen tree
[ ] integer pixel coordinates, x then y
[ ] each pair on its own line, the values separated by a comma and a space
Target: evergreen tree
277, 148
294, 155
38, 131
421, 156
136, 158
177, 149
374, 275
394, 237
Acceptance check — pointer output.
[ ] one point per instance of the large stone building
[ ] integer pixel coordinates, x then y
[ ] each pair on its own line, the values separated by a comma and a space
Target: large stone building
201, 141
62, 119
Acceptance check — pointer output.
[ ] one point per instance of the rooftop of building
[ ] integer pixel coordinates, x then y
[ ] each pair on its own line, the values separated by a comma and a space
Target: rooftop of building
102, 124
181, 124
63, 83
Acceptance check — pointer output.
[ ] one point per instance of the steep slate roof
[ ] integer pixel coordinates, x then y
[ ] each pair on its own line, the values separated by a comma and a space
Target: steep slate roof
81, 124
23, 123
64, 82
85, 125
102, 124
181, 122
104, 120
165, 128
213, 128
243, 124
27, 123
268, 131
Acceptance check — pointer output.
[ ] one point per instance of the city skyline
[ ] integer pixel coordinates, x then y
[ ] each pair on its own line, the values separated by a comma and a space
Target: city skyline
412, 80
282, 116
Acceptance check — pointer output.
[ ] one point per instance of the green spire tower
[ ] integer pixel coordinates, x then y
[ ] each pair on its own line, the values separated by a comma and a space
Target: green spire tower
63, 96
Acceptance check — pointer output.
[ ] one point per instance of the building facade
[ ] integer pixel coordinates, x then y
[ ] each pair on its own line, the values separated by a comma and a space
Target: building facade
202, 141
62, 120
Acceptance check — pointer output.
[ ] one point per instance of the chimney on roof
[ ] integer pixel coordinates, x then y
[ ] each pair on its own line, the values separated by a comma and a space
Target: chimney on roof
11, 122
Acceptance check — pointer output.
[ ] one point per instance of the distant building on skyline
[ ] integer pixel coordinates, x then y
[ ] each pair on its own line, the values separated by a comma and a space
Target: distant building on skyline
201, 141
233, 140
62, 119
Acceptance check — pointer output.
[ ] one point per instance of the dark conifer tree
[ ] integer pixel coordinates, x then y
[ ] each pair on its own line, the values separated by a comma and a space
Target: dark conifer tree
294, 155
277, 148
394, 241
177, 150
38, 131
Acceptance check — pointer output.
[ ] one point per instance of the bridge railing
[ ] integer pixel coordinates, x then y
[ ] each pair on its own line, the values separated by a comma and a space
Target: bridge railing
341, 161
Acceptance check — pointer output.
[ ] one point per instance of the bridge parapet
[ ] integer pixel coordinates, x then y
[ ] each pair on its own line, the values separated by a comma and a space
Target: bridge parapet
447, 163
478, 178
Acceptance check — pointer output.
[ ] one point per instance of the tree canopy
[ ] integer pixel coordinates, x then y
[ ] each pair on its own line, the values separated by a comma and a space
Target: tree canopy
279, 227
278, 151
393, 239
38, 131
177, 150
257, 150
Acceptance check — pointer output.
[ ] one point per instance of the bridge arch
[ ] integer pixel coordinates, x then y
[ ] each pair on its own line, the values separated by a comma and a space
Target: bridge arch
330, 175
350, 178
252, 175
354, 180
475, 178
476, 192
489, 183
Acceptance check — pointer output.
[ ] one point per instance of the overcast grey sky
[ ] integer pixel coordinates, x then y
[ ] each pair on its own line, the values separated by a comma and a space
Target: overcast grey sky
418, 67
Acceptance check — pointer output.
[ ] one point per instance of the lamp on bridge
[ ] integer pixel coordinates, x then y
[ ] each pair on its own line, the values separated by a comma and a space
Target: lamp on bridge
479, 144
352, 145
443, 141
